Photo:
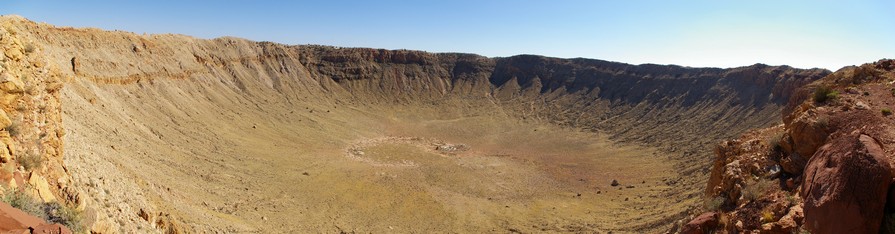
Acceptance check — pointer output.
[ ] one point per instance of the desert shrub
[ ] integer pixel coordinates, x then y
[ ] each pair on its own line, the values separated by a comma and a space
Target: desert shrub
13, 128
756, 189
29, 48
30, 161
825, 93
767, 216
23, 202
774, 142
792, 200
823, 121
52, 212
714, 203
65, 215
886, 111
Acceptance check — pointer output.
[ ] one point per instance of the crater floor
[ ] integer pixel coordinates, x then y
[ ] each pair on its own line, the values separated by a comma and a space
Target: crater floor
246, 165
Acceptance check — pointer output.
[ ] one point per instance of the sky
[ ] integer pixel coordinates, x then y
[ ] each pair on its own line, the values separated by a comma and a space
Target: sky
800, 33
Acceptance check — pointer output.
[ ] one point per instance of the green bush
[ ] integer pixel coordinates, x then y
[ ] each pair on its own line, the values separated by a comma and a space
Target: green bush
824, 93
886, 111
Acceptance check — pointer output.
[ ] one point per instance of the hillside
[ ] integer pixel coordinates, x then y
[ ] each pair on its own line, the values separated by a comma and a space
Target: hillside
165, 132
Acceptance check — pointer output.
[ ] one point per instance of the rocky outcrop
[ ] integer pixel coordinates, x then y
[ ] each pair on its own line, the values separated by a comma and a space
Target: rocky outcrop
845, 186
835, 154
738, 161
704, 223
30, 118
806, 133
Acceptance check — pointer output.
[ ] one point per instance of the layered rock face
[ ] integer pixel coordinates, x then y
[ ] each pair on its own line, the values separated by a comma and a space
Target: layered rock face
682, 110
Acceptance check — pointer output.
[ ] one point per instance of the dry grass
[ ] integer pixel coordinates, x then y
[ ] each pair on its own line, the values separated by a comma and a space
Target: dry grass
52, 212
13, 129
715, 203
757, 188
65, 215
30, 161
774, 142
24, 202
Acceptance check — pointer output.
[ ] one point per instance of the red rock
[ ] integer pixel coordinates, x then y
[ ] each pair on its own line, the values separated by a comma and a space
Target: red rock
704, 223
51, 229
845, 187
13, 220
793, 163
20, 180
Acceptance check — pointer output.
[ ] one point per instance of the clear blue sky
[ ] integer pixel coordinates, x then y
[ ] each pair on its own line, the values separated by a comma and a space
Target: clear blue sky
817, 33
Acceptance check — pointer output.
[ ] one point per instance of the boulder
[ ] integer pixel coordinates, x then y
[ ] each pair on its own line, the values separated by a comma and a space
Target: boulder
13, 220
10, 83
845, 186
41, 188
15, 54
11, 88
704, 223
793, 163
808, 132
